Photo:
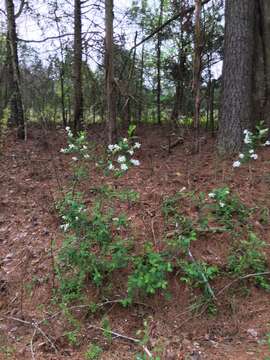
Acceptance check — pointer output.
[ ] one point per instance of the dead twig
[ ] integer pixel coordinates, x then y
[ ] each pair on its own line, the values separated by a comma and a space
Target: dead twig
31, 345
35, 325
242, 278
116, 334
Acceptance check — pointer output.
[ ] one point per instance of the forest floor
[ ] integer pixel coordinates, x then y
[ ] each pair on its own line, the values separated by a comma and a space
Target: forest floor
31, 174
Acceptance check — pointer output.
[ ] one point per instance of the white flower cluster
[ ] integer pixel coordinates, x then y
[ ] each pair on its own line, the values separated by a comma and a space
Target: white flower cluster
250, 153
123, 161
76, 145
215, 196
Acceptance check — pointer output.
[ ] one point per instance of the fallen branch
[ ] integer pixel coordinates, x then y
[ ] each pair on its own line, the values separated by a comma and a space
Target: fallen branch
206, 282
31, 345
242, 278
136, 341
35, 325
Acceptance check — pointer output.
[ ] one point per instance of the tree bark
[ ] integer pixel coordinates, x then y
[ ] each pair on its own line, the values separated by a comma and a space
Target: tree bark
197, 68
159, 43
109, 68
16, 100
236, 107
77, 68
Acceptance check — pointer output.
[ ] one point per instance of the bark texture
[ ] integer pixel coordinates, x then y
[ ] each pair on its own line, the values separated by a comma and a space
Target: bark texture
77, 68
109, 68
16, 103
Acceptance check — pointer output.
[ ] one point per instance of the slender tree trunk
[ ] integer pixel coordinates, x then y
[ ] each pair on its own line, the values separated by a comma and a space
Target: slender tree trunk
62, 69
77, 68
159, 43
16, 101
110, 86
197, 68
236, 108
211, 107
141, 100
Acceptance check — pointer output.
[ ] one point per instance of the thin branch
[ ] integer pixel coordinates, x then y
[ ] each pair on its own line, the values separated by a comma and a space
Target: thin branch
31, 345
45, 39
136, 341
242, 278
168, 22
20, 9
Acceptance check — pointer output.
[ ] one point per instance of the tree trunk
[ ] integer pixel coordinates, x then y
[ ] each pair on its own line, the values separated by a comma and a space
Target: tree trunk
109, 68
77, 68
262, 62
16, 100
159, 42
141, 98
197, 66
236, 108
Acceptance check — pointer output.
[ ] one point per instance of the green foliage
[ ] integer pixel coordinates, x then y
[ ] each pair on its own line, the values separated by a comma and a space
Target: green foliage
149, 274
227, 208
248, 257
107, 329
89, 250
72, 337
125, 194
74, 214
183, 236
198, 274
93, 352
170, 205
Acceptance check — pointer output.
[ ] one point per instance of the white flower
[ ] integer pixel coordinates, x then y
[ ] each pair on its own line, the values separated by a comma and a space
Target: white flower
241, 156
263, 131
131, 152
67, 128
121, 159
63, 150
72, 146
251, 151
267, 143
211, 195
117, 147
246, 131
221, 204
110, 147
247, 139
76, 218
84, 147
236, 164
64, 227
125, 140
86, 156
135, 162
254, 156
111, 167
137, 145
124, 167
74, 158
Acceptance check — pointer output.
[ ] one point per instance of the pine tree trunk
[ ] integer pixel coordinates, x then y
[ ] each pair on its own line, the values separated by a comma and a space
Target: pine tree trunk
17, 112
159, 43
109, 68
77, 68
236, 108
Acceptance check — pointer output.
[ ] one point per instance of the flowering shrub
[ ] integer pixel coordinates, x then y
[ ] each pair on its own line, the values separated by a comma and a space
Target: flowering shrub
251, 142
120, 155
225, 206
76, 145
